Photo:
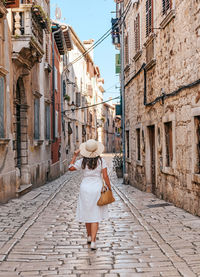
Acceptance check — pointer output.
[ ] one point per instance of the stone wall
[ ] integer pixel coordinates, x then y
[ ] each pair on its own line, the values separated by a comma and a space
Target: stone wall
175, 63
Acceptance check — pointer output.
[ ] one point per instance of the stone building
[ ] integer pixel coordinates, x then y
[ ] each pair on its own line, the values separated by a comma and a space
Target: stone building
162, 93
109, 127
7, 164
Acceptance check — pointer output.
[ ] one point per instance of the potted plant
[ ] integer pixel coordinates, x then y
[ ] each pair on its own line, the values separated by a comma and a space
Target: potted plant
118, 164
67, 97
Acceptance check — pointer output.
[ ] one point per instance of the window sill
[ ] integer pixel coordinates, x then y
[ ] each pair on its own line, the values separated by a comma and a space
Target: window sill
47, 142
137, 55
128, 160
168, 171
150, 64
196, 178
168, 18
4, 141
150, 39
138, 162
127, 67
38, 142
3, 71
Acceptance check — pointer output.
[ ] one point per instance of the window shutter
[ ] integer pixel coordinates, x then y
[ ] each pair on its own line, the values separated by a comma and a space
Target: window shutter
56, 124
137, 33
166, 5
126, 50
2, 107
149, 17
78, 99
12, 3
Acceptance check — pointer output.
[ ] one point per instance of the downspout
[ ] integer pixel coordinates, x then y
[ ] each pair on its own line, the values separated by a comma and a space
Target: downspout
53, 81
123, 99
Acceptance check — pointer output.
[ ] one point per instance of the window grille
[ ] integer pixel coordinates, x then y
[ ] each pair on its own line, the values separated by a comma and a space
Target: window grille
168, 143
36, 118
138, 144
149, 17
137, 33
166, 5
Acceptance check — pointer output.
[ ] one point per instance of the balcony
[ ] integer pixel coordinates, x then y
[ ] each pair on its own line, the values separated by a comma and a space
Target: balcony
28, 24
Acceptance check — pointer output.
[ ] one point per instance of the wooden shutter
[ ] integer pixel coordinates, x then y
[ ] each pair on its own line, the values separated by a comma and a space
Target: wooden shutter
126, 50
166, 5
137, 33
12, 3
149, 17
1, 107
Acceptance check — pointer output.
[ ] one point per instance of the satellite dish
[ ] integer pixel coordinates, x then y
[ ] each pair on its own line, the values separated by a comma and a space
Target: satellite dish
58, 13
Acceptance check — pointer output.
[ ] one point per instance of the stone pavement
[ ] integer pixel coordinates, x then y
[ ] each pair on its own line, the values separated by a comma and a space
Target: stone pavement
143, 236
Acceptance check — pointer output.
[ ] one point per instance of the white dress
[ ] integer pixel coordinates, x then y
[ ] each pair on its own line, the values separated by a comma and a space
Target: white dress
90, 192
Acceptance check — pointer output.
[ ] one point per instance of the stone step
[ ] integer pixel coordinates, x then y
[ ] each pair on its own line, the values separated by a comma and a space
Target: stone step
23, 190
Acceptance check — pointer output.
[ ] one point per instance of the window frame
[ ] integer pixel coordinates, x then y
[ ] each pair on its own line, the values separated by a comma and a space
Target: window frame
47, 122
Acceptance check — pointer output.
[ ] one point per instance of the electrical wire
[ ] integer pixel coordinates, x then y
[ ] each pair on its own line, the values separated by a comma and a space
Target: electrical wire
86, 107
104, 36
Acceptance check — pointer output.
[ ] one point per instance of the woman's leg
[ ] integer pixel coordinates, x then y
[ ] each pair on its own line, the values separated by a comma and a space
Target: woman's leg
94, 229
88, 227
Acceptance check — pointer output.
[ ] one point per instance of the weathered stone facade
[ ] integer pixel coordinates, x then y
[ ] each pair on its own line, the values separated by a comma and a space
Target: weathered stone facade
162, 93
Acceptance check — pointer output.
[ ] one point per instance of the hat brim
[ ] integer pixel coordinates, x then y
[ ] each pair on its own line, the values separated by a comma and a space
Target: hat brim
96, 153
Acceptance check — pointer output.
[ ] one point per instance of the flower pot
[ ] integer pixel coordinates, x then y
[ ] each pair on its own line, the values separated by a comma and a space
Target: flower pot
119, 172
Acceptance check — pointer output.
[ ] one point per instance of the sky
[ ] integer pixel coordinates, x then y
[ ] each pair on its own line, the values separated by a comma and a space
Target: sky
91, 19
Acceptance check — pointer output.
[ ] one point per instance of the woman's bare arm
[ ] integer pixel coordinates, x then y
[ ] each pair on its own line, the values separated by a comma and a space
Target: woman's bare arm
72, 168
106, 178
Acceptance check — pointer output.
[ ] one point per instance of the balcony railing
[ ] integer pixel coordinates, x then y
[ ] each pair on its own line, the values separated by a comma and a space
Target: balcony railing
24, 24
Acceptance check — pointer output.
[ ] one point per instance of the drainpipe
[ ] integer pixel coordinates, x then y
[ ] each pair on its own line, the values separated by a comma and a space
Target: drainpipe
53, 80
123, 97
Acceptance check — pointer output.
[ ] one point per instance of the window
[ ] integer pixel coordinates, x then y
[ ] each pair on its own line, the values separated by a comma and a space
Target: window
47, 122
2, 107
78, 99
126, 50
168, 143
197, 127
138, 144
166, 5
149, 17
137, 33
77, 133
36, 118
127, 145
56, 78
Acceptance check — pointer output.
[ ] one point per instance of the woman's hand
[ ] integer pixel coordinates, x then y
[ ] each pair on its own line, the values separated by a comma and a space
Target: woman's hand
76, 152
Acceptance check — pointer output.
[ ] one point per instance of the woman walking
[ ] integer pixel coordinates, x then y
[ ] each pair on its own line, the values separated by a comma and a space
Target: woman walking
93, 167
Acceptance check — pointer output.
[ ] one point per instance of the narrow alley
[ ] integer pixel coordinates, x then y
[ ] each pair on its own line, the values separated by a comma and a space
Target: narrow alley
144, 236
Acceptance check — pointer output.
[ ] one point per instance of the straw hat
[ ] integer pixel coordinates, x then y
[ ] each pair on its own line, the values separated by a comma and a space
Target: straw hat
91, 148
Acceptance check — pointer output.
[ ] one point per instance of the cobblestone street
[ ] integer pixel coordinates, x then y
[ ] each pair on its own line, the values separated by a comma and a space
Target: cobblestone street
143, 237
